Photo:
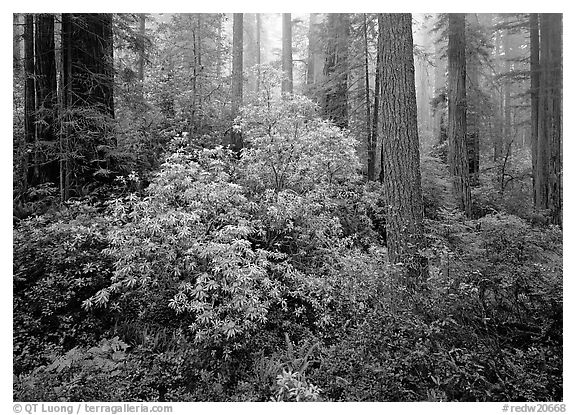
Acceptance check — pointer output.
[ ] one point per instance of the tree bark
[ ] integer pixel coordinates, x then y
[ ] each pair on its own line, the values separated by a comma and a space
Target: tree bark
371, 144
377, 93
401, 161
336, 69
473, 106
237, 76
457, 155
287, 79
258, 50
549, 158
30, 100
46, 98
534, 91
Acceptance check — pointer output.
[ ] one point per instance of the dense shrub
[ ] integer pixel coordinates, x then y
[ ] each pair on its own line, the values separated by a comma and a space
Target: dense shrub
58, 263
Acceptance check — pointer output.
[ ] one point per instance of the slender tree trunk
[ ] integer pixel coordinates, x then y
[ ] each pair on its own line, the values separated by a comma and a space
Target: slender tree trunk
534, 90
258, 50
499, 124
371, 144
377, 93
287, 79
141, 46
312, 46
507, 90
30, 101
237, 76
401, 165
473, 116
457, 155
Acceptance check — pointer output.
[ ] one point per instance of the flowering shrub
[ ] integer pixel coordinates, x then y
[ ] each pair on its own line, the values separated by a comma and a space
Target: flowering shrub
290, 147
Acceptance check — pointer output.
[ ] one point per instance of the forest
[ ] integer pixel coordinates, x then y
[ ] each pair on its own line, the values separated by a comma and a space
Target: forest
287, 207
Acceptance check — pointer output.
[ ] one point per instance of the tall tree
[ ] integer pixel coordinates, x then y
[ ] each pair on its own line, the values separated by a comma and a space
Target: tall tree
237, 75
141, 45
30, 99
377, 92
88, 96
336, 69
457, 154
400, 147
312, 49
287, 78
549, 158
258, 49
472, 98
534, 93
371, 143
46, 98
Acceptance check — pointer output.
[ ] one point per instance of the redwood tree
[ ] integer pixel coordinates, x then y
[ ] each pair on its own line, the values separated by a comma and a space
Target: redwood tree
457, 154
237, 75
400, 146
287, 79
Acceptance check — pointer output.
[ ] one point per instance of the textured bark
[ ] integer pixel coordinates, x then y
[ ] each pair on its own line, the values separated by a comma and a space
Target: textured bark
377, 93
87, 38
16, 43
336, 69
237, 75
400, 148
457, 155
287, 79
473, 107
30, 99
534, 90
549, 158
46, 98
371, 143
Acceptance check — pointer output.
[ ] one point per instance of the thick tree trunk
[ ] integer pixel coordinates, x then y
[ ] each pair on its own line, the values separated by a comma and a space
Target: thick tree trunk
457, 155
46, 98
287, 79
534, 90
16, 43
237, 76
549, 158
401, 162
336, 69
88, 82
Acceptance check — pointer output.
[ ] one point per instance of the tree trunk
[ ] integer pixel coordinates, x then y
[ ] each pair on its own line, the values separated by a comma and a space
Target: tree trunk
336, 69
237, 76
141, 46
312, 46
507, 91
30, 101
377, 93
16, 42
46, 98
88, 82
473, 107
549, 159
287, 78
371, 144
258, 50
401, 161
534, 89
457, 155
